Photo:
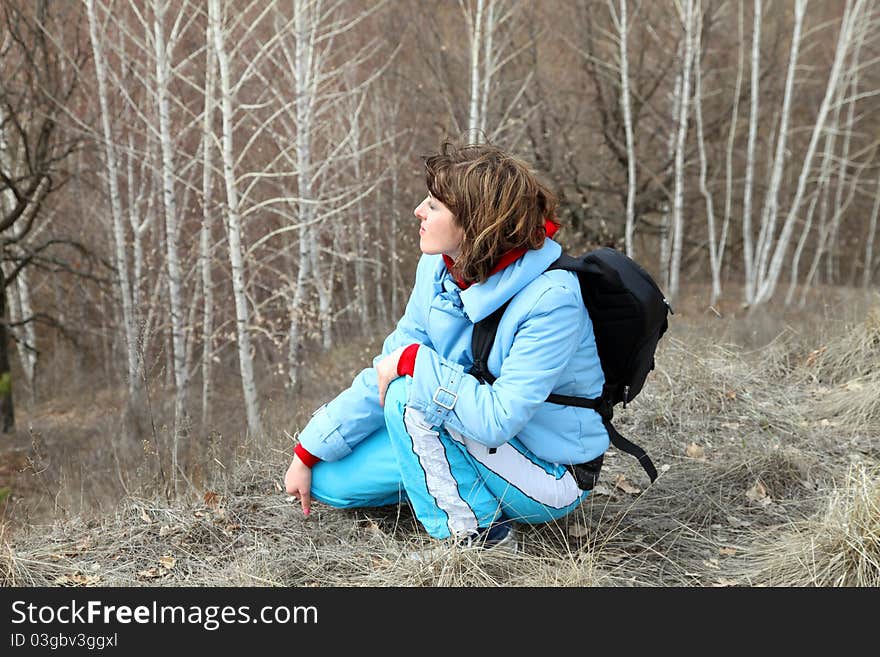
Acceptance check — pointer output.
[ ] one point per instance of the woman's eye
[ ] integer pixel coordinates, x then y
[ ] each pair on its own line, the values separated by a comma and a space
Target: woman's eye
431, 206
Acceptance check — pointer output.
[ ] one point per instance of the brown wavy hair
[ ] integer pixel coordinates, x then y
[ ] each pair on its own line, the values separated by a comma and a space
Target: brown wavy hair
495, 198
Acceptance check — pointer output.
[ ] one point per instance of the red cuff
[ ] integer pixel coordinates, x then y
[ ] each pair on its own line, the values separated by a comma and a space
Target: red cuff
308, 459
407, 363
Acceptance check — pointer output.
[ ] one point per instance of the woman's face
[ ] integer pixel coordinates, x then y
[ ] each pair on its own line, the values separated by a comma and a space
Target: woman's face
438, 232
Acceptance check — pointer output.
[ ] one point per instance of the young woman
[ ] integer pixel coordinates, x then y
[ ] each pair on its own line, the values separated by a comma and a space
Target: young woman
469, 457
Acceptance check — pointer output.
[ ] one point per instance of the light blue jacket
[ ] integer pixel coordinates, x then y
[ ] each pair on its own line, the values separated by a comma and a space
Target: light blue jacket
544, 344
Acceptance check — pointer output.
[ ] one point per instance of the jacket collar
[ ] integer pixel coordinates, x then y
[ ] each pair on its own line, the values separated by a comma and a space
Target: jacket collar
514, 271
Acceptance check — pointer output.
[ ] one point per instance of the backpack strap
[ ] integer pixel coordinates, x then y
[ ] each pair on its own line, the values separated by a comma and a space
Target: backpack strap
481, 344
606, 410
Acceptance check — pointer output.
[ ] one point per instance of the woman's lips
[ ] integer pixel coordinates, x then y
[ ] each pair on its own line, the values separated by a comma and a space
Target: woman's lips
421, 231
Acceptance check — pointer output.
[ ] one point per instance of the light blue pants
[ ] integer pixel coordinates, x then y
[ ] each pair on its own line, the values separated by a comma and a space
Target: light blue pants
453, 484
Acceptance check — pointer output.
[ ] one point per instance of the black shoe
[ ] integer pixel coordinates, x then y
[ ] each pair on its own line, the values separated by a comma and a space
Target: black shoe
499, 537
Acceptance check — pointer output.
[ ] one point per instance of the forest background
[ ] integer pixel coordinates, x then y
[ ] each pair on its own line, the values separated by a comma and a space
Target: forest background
207, 229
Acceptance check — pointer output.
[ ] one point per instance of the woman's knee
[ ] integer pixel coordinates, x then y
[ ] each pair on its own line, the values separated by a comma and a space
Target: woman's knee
369, 476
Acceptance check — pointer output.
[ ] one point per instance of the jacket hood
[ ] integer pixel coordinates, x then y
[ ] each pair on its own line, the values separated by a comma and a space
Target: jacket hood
482, 299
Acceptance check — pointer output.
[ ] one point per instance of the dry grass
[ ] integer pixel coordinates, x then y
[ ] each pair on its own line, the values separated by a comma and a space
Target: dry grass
765, 430
840, 546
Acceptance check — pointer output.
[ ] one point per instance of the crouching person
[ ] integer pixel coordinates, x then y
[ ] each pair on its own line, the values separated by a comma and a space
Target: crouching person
418, 427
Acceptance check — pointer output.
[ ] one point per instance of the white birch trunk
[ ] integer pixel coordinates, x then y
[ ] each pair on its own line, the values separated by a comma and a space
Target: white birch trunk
121, 260
206, 238
851, 15
824, 173
771, 198
731, 140
831, 258
306, 19
296, 304
476, 38
830, 159
748, 253
684, 109
704, 187
625, 107
665, 220
172, 233
233, 226
361, 285
22, 306
489, 56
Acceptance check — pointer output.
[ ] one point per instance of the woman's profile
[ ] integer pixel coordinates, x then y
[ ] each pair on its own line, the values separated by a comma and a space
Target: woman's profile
469, 458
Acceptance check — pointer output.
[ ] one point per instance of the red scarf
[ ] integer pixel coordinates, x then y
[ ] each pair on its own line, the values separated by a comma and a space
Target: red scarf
508, 258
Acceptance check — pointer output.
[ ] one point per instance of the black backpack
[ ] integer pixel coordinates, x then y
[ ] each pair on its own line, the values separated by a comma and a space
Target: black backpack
629, 315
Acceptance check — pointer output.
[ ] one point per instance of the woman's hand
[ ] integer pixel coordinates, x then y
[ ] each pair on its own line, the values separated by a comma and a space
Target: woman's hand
386, 371
298, 482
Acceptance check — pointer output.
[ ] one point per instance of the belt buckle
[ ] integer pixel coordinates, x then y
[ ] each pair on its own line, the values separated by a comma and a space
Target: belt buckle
448, 392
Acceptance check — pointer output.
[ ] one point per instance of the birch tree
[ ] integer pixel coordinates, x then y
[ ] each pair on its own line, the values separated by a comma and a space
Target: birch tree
163, 53
622, 21
112, 178
206, 238
771, 199
715, 246
754, 118
233, 223
849, 22
684, 110
728, 160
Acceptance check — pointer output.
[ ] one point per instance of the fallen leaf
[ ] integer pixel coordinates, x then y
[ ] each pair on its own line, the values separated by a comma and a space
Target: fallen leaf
164, 530
199, 514
665, 467
231, 527
814, 355
149, 573
730, 425
758, 493
146, 517
212, 499
621, 483
167, 561
695, 451
279, 487
86, 580
727, 551
84, 544
730, 394
78, 579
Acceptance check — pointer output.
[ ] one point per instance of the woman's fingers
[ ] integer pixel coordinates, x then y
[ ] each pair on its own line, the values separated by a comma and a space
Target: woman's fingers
306, 501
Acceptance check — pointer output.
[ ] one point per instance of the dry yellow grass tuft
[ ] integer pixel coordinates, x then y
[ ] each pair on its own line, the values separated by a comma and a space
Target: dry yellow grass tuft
838, 547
